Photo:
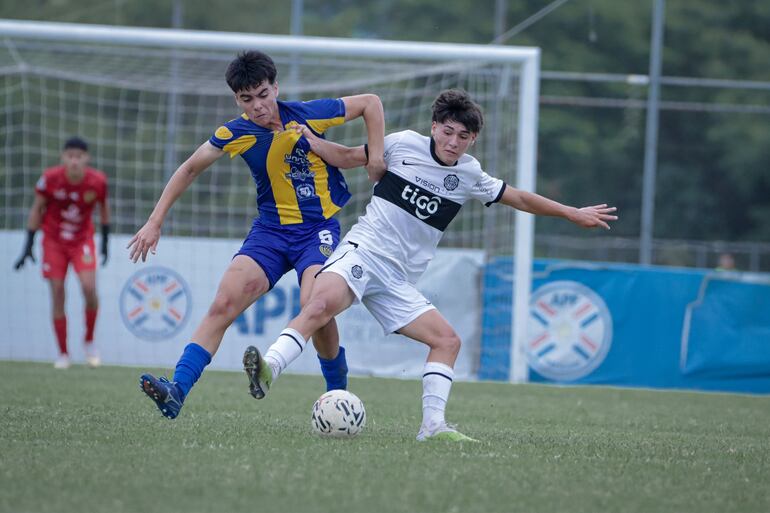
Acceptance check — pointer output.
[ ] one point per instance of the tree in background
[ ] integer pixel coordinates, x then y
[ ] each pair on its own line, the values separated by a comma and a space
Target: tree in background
713, 182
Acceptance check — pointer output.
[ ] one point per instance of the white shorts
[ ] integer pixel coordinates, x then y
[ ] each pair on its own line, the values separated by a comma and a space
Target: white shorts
379, 285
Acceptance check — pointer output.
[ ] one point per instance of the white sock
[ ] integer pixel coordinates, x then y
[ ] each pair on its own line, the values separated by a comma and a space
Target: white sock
436, 384
284, 350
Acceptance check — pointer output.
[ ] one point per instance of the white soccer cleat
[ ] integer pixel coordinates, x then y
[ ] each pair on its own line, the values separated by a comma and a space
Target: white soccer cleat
62, 362
443, 431
92, 356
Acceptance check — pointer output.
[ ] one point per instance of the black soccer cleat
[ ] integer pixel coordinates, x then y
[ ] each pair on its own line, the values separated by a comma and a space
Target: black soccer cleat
259, 372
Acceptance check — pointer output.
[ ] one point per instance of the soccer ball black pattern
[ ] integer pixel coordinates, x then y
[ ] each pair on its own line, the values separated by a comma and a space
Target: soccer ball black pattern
338, 414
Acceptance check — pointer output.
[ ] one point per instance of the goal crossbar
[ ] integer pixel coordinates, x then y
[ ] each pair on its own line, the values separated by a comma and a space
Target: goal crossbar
199, 39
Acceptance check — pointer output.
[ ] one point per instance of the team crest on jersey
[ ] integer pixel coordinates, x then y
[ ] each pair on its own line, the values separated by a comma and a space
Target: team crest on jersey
357, 271
155, 303
305, 191
325, 250
569, 331
451, 182
89, 196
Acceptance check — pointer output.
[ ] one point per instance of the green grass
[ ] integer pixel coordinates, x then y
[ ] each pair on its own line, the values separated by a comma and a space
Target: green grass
88, 440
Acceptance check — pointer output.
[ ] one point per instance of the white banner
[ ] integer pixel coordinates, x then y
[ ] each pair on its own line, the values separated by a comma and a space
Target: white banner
148, 311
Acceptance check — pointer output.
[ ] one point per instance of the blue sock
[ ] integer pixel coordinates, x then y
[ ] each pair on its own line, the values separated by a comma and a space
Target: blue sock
335, 371
190, 367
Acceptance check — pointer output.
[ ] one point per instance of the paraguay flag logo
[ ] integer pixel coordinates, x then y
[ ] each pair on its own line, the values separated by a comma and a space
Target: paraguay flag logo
569, 331
155, 303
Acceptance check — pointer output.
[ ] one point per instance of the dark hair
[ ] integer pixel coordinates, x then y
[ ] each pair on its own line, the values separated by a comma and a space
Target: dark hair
250, 69
456, 105
75, 143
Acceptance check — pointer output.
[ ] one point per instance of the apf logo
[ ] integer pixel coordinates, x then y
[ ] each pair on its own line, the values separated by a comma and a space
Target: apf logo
423, 203
155, 303
569, 331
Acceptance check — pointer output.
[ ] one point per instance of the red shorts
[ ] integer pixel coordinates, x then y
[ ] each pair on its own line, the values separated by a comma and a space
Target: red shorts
57, 256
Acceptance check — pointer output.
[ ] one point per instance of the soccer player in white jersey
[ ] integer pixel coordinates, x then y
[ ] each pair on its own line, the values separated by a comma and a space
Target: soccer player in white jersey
379, 261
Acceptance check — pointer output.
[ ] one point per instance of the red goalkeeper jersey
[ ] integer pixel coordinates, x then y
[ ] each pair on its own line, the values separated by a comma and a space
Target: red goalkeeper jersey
70, 206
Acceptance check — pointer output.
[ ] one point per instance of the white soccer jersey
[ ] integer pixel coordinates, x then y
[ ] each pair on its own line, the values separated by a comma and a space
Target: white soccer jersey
416, 200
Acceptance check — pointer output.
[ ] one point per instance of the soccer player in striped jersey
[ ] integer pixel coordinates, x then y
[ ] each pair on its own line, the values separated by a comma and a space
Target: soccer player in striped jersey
65, 197
378, 262
298, 195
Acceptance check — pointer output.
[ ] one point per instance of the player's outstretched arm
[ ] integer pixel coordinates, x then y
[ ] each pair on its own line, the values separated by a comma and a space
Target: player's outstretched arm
146, 239
33, 223
587, 217
338, 155
370, 107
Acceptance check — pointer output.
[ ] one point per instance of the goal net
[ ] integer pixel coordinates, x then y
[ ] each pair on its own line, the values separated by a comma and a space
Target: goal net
146, 98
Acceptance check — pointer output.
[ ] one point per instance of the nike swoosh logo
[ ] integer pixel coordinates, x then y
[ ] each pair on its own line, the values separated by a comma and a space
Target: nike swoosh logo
405, 163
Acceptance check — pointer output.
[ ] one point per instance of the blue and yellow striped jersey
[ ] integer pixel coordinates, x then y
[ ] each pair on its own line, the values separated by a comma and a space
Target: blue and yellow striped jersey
294, 185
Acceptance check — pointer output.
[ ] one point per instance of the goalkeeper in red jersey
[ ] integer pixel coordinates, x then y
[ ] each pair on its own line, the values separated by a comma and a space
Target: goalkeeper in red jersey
65, 197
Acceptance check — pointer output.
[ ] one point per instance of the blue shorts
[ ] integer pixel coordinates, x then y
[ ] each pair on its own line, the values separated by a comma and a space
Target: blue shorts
278, 249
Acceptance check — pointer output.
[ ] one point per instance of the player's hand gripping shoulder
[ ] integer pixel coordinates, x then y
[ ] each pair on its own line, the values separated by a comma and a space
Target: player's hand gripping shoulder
338, 155
375, 167
593, 216
370, 108
145, 240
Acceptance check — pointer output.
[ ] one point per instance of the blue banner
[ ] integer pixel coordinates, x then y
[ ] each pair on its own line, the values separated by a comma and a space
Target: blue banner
633, 326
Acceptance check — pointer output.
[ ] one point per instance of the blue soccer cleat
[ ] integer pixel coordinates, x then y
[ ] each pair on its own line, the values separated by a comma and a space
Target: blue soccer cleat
166, 394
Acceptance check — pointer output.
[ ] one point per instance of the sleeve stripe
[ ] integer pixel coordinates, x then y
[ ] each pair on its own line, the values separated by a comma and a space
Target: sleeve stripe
240, 145
499, 195
320, 126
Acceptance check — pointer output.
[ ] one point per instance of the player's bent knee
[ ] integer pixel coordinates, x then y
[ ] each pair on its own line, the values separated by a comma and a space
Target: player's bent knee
223, 307
450, 343
318, 311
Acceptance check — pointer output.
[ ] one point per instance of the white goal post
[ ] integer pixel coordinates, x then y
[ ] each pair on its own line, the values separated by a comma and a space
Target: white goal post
360, 65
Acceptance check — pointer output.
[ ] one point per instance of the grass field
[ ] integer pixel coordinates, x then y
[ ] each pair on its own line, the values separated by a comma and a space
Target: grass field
88, 440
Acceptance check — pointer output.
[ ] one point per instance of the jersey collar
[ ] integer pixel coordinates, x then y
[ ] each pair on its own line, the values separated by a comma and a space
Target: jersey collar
435, 157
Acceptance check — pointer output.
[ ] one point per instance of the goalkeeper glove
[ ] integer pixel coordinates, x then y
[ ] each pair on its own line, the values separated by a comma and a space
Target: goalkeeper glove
27, 251
105, 245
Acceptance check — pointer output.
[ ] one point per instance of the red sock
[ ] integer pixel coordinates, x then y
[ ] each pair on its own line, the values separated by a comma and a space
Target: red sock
60, 327
90, 323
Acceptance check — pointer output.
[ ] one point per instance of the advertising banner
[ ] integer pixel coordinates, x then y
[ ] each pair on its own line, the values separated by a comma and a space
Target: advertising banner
631, 325
148, 311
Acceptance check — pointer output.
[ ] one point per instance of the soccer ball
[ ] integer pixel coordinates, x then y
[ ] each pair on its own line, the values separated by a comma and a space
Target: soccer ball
338, 414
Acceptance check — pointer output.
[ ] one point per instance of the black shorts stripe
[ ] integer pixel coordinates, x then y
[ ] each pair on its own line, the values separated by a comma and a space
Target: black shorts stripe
322, 269
437, 374
294, 339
